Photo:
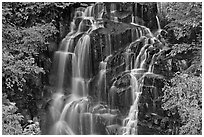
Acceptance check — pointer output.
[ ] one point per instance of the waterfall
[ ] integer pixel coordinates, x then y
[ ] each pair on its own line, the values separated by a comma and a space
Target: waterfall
68, 118
141, 65
158, 23
73, 110
89, 11
139, 60
102, 79
128, 62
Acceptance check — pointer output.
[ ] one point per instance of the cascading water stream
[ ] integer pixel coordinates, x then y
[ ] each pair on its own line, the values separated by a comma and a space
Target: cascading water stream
139, 58
108, 43
69, 117
130, 123
158, 23
74, 114
89, 11
141, 65
102, 78
128, 62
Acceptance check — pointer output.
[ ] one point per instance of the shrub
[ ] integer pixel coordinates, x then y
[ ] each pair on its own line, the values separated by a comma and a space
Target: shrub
10, 118
185, 95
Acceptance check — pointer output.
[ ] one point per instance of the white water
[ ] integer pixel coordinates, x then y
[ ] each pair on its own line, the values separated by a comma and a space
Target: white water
102, 79
140, 70
158, 23
67, 118
73, 115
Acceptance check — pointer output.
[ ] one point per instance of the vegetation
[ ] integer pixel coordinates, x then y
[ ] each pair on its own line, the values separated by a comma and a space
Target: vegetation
10, 120
183, 92
23, 43
32, 31
184, 95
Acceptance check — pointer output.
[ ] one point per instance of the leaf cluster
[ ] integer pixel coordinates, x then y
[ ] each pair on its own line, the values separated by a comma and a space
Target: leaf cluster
27, 14
185, 20
185, 94
10, 118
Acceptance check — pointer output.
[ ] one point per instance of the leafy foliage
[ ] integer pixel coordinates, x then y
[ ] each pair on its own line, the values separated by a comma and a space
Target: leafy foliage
32, 129
21, 50
10, 119
185, 94
185, 19
26, 14
21, 47
19, 58
185, 31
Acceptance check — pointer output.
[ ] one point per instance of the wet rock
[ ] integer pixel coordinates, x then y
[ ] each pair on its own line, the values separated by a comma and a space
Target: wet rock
115, 90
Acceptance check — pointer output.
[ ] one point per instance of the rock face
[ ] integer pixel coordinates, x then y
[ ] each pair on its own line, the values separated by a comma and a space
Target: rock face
124, 95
